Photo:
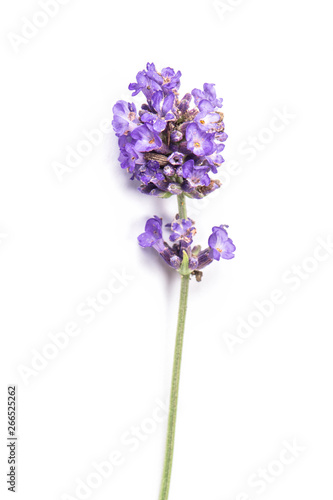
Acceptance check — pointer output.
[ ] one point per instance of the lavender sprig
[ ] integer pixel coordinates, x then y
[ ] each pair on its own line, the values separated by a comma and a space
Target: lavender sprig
171, 146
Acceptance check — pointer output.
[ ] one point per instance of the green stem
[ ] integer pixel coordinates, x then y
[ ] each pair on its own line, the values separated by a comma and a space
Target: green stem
182, 206
166, 477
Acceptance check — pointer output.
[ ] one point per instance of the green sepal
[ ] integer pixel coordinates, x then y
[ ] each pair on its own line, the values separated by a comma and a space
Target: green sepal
165, 195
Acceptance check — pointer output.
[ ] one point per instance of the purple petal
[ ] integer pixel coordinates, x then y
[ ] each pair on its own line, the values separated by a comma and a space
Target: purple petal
168, 103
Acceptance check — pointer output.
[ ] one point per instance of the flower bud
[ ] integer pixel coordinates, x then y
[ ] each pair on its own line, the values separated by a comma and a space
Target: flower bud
168, 170
176, 136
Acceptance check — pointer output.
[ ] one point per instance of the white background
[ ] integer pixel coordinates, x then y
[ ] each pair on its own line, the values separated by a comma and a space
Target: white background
61, 241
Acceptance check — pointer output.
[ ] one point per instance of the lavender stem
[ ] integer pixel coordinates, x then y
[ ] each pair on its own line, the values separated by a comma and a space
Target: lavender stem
166, 477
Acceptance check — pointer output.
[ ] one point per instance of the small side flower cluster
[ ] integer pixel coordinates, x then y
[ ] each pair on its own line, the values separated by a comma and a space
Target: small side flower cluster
182, 256
170, 145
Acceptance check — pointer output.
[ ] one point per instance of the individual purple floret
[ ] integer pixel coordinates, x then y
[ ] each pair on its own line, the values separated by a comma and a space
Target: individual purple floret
171, 80
129, 158
160, 111
209, 94
167, 79
172, 131
152, 237
150, 172
199, 142
208, 120
195, 175
221, 246
145, 139
144, 84
124, 117
215, 159
149, 80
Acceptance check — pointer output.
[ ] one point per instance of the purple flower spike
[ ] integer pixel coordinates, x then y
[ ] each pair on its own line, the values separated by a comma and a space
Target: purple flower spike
198, 141
152, 237
183, 138
221, 246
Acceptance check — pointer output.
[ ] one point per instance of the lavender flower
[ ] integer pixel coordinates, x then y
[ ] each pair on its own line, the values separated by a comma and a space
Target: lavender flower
171, 80
146, 139
129, 158
167, 79
195, 175
209, 120
220, 245
161, 111
209, 94
125, 119
152, 237
215, 160
150, 172
144, 83
171, 146
171, 132
199, 142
